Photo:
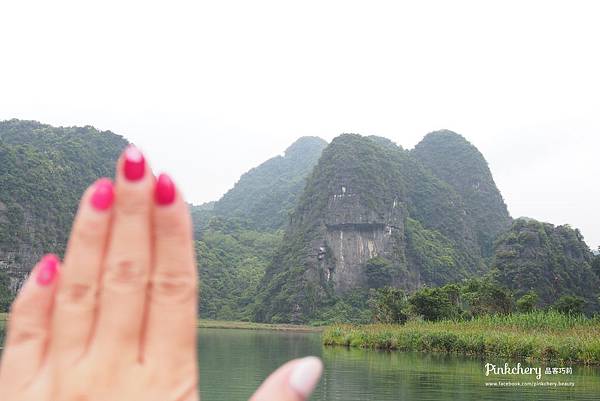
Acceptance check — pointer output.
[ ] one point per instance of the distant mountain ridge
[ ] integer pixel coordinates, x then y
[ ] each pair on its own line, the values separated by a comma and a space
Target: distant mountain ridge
305, 236
266, 194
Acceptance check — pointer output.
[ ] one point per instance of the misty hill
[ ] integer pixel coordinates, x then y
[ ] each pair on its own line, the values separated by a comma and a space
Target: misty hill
374, 214
43, 172
266, 194
551, 261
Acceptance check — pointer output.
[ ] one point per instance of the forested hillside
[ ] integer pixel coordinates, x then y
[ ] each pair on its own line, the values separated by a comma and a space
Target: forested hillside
455, 161
43, 172
265, 195
550, 261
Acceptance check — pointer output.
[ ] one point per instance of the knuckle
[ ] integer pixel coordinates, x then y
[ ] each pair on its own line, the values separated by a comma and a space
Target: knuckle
20, 333
25, 323
77, 294
126, 272
86, 231
175, 286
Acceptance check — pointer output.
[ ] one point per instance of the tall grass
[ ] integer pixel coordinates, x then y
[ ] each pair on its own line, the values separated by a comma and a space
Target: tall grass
547, 336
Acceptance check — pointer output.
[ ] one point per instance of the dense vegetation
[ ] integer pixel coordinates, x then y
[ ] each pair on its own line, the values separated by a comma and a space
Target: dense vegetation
43, 171
539, 335
454, 160
552, 261
232, 260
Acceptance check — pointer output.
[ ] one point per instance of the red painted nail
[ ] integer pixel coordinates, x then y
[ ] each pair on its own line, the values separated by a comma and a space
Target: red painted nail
134, 165
164, 192
48, 270
103, 195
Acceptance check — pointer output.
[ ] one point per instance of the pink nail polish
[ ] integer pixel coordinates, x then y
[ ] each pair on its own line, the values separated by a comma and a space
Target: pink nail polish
134, 165
48, 270
103, 195
164, 192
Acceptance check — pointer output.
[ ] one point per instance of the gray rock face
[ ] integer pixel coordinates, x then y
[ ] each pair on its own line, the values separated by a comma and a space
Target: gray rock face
354, 234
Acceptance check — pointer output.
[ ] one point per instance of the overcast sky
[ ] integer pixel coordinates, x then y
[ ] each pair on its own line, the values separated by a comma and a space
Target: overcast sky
211, 89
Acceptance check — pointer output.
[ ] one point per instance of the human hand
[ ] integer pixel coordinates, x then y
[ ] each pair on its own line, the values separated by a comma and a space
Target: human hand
117, 319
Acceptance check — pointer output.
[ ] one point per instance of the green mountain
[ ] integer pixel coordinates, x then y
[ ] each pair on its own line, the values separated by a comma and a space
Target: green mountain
265, 195
43, 172
455, 161
372, 214
551, 261
238, 234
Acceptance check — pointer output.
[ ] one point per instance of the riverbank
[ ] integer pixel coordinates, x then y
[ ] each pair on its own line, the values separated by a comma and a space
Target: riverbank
538, 336
225, 324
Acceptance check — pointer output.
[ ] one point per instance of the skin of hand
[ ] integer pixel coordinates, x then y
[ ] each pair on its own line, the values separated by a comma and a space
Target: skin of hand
117, 319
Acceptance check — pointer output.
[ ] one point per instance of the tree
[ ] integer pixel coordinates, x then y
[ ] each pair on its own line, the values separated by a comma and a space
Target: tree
485, 297
388, 305
569, 305
437, 303
527, 303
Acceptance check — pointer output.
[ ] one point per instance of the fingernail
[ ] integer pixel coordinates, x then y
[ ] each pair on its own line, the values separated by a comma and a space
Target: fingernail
48, 270
306, 375
103, 195
164, 192
134, 165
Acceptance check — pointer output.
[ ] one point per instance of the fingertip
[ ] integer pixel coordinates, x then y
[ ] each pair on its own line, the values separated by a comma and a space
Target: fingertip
165, 191
47, 270
102, 194
133, 163
306, 375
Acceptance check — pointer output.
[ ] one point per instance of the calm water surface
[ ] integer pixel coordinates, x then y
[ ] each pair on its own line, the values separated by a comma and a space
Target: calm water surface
234, 362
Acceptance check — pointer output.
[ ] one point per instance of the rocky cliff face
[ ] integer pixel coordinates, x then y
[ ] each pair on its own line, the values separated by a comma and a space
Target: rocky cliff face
368, 198
355, 234
43, 172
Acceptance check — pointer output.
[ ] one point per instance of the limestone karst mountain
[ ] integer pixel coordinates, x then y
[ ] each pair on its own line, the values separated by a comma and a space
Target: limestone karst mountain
372, 214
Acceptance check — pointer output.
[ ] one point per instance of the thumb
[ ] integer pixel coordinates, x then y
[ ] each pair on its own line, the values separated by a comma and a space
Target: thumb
294, 381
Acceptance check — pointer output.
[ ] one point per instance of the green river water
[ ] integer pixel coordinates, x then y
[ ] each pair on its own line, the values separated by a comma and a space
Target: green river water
234, 362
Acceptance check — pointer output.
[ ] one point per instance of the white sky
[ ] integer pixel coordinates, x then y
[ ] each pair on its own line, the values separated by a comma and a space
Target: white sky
211, 89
